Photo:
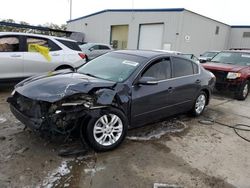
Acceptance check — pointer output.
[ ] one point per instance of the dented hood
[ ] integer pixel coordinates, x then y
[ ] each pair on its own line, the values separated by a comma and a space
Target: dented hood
53, 87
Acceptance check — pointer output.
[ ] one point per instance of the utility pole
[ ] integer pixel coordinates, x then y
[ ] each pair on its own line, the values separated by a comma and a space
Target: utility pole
70, 11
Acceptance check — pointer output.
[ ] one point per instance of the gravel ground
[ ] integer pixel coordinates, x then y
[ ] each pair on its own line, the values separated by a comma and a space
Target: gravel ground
179, 151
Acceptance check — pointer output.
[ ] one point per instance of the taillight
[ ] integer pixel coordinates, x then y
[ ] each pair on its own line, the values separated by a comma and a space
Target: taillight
82, 55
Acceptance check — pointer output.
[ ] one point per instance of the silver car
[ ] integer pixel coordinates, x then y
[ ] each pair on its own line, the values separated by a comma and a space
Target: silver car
93, 50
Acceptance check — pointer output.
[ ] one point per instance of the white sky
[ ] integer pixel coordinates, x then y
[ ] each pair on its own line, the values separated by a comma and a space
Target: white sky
233, 12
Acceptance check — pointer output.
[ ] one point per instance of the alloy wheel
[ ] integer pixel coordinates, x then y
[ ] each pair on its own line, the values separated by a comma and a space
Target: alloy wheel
200, 103
245, 90
108, 129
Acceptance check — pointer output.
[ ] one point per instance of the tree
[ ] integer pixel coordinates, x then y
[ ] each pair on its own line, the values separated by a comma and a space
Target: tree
19, 29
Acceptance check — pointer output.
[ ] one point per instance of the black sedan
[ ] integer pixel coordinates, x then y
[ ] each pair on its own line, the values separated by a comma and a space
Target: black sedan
114, 92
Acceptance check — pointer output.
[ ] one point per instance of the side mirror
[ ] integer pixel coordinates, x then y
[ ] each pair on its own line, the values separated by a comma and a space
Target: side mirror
202, 60
148, 81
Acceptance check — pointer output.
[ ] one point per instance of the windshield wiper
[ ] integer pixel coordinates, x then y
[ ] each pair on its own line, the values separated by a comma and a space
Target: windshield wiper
216, 61
91, 75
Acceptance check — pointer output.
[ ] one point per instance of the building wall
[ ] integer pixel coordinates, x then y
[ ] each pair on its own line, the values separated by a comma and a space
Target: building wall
184, 30
197, 34
237, 40
97, 28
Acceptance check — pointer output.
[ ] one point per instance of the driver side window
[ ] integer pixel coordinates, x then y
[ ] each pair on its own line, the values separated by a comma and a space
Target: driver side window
160, 70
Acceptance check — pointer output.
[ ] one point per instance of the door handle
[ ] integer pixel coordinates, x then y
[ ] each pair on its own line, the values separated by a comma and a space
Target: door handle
15, 55
170, 89
198, 81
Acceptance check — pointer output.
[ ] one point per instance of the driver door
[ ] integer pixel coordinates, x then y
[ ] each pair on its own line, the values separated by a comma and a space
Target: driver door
153, 102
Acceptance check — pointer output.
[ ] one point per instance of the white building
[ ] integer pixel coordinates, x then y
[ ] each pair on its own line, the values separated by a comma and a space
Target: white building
170, 29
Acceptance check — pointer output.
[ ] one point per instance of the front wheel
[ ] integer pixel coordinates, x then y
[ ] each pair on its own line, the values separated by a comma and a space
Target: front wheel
200, 104
107, 131
243, 92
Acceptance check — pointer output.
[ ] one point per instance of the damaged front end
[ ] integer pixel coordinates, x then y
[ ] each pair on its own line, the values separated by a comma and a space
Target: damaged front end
58, 117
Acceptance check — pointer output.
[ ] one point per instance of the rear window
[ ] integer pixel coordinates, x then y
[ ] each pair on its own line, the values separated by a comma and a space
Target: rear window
43, 42
70, 44
102, 47
182, 67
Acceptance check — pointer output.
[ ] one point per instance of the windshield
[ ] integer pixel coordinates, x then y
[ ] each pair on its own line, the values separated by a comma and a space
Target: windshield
209, 54
235, 58
112, 66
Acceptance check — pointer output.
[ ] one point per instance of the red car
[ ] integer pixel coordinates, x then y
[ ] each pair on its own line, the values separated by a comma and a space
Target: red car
232, 71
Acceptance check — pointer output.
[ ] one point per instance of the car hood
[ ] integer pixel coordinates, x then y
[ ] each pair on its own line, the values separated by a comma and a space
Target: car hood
222, 67
52, 87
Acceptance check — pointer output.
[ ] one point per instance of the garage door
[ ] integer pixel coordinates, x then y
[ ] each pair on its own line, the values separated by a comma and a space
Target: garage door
119, 36
150, 36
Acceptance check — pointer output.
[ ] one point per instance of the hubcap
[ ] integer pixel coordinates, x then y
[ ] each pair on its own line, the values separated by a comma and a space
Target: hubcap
245, 90
200, 104
108, 129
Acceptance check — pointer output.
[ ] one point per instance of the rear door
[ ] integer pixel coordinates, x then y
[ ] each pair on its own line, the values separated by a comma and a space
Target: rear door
187, 83
93, 52
11, 57
35, 62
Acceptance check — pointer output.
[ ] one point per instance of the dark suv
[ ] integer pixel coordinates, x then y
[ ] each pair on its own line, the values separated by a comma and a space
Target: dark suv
232, 71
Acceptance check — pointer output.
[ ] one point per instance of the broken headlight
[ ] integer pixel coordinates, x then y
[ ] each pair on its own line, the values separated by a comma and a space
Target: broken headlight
85, 101
13, 92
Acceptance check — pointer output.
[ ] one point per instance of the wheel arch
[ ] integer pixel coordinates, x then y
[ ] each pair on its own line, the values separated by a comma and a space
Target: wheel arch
64, 66
206, 90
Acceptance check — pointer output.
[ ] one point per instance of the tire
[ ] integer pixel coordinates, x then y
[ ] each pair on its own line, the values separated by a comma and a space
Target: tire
102, 134
200, 104
243, 92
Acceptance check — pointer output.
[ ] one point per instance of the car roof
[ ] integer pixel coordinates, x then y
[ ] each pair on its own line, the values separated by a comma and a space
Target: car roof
168, 51
237, 51
94, 43
144, 53
35, 35
213, 51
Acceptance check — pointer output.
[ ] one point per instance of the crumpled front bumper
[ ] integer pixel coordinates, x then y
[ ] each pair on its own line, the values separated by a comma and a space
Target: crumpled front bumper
32, 123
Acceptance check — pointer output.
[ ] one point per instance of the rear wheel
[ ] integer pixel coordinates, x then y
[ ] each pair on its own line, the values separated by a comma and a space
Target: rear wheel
243, 92
107, 131
200, 104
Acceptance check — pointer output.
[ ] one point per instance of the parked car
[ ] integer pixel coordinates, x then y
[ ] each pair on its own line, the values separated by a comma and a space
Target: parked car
17, 62
232, 71
93, 50
207, 56
114, 92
